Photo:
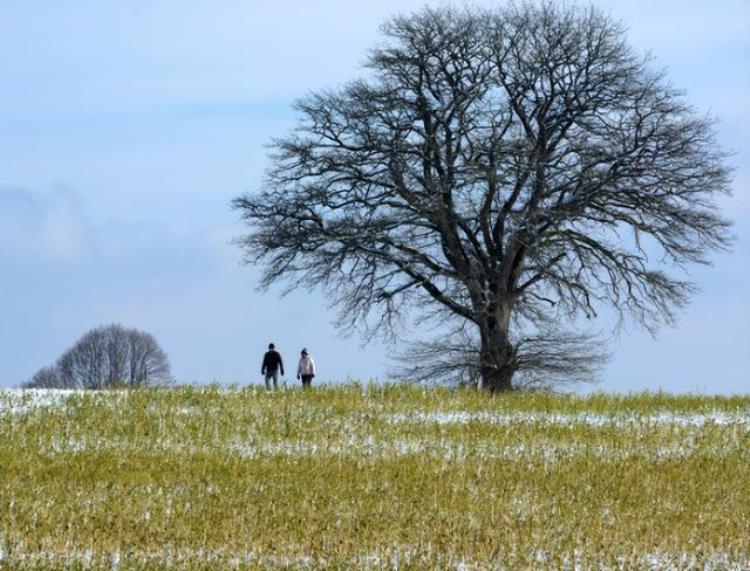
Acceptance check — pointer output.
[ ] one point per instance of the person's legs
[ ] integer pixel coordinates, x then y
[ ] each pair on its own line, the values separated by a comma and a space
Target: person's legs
272, 375
306, 381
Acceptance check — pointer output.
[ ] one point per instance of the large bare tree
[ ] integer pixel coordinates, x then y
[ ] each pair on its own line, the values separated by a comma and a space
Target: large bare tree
509, 170
105, 357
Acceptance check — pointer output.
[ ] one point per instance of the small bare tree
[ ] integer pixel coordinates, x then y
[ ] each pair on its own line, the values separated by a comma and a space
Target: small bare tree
44, 378
504, 170
147, 363
105, 357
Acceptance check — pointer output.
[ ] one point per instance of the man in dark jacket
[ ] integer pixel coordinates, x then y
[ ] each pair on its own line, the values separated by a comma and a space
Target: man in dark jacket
272, 365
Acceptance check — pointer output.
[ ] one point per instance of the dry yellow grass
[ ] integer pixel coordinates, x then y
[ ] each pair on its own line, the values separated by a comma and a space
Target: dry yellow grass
393, 477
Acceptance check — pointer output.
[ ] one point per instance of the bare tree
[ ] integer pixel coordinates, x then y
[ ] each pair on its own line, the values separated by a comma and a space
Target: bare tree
548, 360
503, 170
105, 357
44, 378
84, 365
147, 363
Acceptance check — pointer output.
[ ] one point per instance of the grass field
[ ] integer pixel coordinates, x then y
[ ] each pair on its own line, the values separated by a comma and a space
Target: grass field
392, 477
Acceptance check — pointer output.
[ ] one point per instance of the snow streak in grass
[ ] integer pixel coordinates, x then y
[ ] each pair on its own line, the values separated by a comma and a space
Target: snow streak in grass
397, 557
20, 401
719, 418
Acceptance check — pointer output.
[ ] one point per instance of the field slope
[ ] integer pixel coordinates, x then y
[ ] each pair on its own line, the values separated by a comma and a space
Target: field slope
392, 477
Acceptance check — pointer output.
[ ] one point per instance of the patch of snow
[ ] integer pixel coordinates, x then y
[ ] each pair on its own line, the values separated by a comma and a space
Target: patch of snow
392, 557
719, 418
20, 401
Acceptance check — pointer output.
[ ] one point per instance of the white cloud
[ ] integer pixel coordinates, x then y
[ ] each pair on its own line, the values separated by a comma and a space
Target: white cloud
62, 229
51, 231
47, 226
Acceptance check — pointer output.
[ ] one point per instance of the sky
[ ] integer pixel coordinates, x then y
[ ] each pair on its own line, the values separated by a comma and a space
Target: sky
126, 128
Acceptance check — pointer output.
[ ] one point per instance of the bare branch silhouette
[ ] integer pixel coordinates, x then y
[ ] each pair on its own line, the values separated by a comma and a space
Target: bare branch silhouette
106, 357
511, 167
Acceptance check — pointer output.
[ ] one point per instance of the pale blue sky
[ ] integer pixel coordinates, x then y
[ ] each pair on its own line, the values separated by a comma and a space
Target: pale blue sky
126, 129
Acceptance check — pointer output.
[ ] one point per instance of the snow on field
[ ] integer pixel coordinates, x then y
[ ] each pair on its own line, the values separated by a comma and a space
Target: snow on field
21, 400
396, 557
661, 435
18, 401
375, 449
719, 418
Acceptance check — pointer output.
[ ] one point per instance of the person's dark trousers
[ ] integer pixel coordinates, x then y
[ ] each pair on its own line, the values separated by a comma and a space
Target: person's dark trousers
306, 381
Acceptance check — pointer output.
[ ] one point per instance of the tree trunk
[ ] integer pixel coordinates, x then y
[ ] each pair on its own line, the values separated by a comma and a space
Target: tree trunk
497, 354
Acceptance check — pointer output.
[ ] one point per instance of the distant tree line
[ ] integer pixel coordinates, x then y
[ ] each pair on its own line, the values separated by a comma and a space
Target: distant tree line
105, 357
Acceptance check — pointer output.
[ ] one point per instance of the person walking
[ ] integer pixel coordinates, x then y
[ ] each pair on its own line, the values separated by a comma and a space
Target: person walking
306, 369
272, 365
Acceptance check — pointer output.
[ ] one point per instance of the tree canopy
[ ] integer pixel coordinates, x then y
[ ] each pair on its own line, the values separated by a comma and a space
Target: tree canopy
507, 171
106, 357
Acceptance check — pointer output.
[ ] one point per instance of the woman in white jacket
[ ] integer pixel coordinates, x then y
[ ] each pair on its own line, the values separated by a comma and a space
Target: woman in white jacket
306, 369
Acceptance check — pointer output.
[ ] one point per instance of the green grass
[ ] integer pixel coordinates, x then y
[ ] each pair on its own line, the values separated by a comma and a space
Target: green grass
386, 477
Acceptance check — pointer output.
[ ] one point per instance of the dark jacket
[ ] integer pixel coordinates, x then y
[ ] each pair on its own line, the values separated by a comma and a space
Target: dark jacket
271, 362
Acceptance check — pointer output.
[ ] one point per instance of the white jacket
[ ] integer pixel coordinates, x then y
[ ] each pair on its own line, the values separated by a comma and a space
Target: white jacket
306, 366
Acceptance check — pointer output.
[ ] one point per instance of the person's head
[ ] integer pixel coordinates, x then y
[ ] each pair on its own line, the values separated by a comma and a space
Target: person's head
271, 346
304, 352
